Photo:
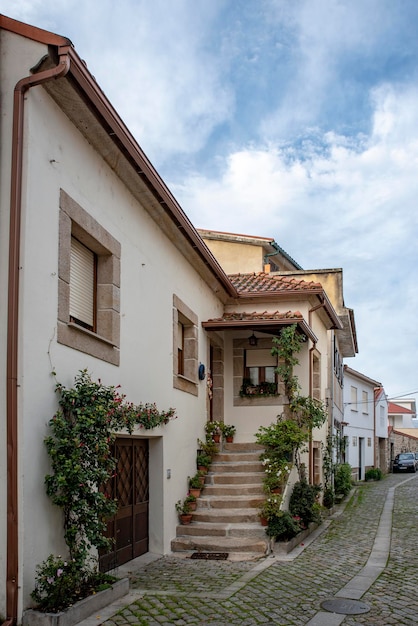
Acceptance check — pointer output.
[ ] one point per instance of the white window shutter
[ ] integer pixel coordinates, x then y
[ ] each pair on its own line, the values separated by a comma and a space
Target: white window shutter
82, 283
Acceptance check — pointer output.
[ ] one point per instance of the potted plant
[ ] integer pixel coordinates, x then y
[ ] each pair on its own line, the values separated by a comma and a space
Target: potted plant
269, 509
195, 485
213, 429
203, 462
191, 500
184, 511
228, 431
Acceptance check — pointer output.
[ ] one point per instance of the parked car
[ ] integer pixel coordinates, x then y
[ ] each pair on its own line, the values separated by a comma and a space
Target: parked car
405, 462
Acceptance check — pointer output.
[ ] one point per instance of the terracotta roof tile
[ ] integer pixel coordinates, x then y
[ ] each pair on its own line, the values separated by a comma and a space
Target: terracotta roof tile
260, 282
252, 317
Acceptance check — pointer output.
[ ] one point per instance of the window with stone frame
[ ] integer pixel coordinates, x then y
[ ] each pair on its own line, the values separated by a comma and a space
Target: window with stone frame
185, 347
88, 285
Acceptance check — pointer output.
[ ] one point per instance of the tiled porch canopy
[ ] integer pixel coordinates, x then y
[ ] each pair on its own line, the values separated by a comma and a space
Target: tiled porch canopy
265, 322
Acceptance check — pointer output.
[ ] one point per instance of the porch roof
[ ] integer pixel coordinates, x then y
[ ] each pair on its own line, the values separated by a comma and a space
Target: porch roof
266, 322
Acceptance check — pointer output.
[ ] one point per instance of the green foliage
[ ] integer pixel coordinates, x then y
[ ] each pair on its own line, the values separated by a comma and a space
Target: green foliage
374, 473
195, 481
60, 583
203, 460
282, 526
286, 347
342, 479
329, 498
271, 507
276, 472
281, 438
213, 428
302, 502
183, 507
207, 447
228, 430
79, 448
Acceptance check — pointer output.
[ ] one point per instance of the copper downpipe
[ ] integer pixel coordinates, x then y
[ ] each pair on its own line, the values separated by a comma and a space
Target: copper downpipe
13, 326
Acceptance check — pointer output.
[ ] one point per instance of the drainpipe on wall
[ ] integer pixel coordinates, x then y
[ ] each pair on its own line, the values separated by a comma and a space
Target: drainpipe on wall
21, 88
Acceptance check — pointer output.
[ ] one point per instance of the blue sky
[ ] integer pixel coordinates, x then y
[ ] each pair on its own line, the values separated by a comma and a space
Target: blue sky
290, 119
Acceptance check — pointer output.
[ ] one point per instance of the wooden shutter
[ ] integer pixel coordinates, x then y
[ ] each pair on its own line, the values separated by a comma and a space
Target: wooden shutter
82, 283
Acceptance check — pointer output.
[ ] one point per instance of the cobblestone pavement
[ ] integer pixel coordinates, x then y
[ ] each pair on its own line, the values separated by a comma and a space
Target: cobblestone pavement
271, 591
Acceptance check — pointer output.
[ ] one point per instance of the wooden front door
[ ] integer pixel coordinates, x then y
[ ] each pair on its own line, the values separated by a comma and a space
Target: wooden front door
128, 529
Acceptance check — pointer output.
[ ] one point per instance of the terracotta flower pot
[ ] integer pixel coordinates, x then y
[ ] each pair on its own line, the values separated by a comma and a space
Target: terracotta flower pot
216, 438
229, 439
194, 492
264, 521
186, 518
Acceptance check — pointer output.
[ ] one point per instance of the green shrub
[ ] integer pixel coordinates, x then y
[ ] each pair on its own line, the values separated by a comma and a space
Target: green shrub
302, 502
282, 526
60, 583
374, 473
329, 498
342, 479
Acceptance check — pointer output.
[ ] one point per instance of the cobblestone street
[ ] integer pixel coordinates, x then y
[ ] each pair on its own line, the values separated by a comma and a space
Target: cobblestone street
289, 591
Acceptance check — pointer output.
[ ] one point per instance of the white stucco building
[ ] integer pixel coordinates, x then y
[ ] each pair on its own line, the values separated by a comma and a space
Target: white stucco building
365, 423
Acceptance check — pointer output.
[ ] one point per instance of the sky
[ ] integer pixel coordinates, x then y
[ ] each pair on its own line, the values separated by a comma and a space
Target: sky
290, 119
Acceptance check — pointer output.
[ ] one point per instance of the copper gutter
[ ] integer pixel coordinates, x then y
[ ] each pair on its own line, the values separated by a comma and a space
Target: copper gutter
13, 326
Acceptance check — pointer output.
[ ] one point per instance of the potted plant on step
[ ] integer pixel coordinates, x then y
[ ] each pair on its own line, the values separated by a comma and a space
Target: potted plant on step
213, 429
203, 462
184, 511
269, 509
191, 500
228, 431
195, 485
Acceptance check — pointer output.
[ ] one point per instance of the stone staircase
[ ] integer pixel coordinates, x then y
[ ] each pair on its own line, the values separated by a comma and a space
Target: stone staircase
226, 518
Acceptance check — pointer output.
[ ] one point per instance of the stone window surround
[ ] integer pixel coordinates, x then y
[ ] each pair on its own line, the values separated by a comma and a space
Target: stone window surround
188, 381
240, 345
103, 344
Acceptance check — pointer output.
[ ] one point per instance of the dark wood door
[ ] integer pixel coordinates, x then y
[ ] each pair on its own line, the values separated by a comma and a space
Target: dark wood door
128, 529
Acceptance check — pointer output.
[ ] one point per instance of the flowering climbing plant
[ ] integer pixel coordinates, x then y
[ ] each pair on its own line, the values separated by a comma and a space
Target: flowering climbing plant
276, 472
79, 448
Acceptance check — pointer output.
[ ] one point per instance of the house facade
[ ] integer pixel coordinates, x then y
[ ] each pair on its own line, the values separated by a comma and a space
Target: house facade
85, 220
365, 423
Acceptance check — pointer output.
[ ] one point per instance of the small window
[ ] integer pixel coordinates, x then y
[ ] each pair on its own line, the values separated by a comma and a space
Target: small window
354, 441
354, 398
260, 376
185, 344
369, 442
365, 402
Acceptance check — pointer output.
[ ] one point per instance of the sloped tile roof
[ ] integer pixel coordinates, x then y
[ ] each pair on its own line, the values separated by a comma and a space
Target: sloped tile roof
260, 282
398, 409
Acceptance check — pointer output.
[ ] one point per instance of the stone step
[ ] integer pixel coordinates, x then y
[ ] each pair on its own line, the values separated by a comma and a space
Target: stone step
227, 516
233, 490
237, 501
235, 478
236, 466
238, 457
206, 529
219, 544
242, 447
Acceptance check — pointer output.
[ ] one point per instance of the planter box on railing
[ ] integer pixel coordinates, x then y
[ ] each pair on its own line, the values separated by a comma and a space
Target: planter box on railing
80, 610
